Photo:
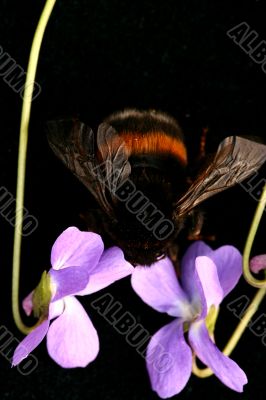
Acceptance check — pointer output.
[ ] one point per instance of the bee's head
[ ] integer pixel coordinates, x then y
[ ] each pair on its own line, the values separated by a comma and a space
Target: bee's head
141, 246
143, 256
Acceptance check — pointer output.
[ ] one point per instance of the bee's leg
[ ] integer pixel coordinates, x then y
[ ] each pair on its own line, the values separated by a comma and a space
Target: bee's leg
93, 221
197, 220
202, 150
173, 252
197, 223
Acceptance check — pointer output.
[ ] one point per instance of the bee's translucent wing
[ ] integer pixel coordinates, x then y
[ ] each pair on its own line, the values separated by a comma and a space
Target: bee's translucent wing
236, 159
114, 154
100, 166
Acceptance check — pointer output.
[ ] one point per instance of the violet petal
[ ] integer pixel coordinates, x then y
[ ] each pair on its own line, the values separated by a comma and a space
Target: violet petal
195, 250
111, 267
72, 340
209, 280
222, 366
158, 286
56, 308
76, 248
30, 342
169, 360
228, 261
68, 281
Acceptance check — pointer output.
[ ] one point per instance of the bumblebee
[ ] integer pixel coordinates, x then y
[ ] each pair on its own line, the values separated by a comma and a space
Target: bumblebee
136, 168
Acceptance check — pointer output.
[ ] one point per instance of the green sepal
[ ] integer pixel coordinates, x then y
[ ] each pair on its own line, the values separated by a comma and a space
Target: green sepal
211, 318
41, 297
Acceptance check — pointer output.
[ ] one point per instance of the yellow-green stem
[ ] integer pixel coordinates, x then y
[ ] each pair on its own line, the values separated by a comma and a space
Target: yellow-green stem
22, 156
204, 373
252, 233
251, 310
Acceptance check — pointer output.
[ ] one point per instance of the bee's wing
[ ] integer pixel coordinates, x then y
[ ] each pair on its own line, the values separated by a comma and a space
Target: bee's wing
99, 167
235, 160
114, 155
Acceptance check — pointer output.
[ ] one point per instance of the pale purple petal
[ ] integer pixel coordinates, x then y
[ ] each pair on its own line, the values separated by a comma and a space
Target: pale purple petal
189, 277
56, 308
169, 360
222, 366
31, 341
27, 304
188, 281
68, 281
76, 248
258, 263
228, 261
112, 267
158, 286
72, 340
209, 280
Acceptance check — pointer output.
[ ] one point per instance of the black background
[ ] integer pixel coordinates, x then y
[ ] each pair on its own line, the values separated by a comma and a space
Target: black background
98, 57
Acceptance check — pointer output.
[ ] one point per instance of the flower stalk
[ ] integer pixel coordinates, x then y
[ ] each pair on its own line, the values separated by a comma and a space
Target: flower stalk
22, 157
233, 341
250, 239
259, 296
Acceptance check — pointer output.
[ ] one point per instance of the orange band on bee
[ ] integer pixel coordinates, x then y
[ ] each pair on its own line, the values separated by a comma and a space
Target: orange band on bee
155, 142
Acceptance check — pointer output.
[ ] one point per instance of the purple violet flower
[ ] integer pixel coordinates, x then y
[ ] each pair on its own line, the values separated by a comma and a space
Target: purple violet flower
80, 266
207, 276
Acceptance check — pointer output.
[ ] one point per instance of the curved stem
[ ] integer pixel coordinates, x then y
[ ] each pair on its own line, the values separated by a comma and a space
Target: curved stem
22, 156
252, 232
206, 372
251, 310
200, 373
